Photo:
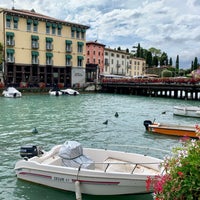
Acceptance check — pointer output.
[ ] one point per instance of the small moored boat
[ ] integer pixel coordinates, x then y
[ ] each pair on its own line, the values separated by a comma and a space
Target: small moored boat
70, 91
55, 92
187, 111
171, 129
11, 92
97, 171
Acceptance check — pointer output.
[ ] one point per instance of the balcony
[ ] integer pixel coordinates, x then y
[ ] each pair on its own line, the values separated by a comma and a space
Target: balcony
35, 45
10, 59
10, 43
35, 61
49, 47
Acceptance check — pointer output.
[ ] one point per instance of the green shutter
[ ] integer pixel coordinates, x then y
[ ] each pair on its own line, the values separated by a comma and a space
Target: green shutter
59, 26
69, 56
54, 25
49, 39
35, 22
29, 21
12, 51
73, 28
80, 57
10, 34
78, 30
8, 17
49, 55
80, 43
83, 30
68, 42
34, 37
16, 19
48, 24
35, 53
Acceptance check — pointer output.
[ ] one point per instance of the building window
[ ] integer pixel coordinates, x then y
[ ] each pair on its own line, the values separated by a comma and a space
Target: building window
15, 19
88, 53
35, 26
83, 34
29, 22
99, 61
73, 29
68, 60
68, 45
48, 25
49, 43
93, 52
49, 60
80, 47
54, 29
59, 29
35, 60
10, 39
8, 21
88, 60
80, 61
34, 41
10, 55
78, 30
94, 61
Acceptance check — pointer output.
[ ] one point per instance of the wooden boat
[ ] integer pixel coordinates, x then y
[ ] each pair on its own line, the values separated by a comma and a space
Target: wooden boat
11, 92
187, 111
91, 171
171, 129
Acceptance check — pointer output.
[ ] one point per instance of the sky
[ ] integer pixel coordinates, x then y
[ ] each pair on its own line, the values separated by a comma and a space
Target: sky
173, 26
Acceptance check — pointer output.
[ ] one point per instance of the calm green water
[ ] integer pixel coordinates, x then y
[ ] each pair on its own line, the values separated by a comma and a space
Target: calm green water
79, 118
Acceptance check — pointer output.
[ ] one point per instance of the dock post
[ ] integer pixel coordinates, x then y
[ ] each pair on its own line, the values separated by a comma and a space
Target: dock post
78, 190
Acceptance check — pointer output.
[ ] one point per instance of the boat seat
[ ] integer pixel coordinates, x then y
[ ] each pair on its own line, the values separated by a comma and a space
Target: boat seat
54, 160
116, 165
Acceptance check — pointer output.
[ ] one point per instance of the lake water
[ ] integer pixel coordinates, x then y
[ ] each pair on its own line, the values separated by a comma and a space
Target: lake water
79, 118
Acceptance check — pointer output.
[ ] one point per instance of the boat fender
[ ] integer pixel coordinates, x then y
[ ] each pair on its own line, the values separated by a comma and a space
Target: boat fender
78, 190
147, 123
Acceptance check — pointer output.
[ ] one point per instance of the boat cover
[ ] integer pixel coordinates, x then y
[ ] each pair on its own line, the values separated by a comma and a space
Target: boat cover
71, 153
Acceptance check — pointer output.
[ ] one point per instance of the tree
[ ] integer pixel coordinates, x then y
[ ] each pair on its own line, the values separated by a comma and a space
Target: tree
164, 59
195, 63
177, 62
155, 52
149, 59
170, 62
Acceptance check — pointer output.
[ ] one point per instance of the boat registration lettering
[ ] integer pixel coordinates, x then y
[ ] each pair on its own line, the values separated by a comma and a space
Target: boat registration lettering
60, 179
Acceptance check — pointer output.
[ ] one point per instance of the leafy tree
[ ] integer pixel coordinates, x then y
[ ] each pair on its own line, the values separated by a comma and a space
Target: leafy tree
155, 52
166, 73
164, 59
155, 61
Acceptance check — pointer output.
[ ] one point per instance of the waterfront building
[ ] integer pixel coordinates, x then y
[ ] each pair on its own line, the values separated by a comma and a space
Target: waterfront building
120, 62
95, 60
41, 49
116, 62
137, 67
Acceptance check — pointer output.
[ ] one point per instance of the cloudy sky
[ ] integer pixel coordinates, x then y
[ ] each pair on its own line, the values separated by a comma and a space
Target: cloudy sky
173, 26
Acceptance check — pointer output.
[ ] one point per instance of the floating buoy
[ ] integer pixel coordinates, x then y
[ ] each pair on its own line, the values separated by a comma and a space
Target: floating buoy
116, 114
106, 122
35, 130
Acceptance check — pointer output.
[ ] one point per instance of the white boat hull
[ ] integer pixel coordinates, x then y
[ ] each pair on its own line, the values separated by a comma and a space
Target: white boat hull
105, 179
191, 111
11, 92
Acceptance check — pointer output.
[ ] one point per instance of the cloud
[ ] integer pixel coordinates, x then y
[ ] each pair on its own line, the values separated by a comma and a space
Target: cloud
170, 25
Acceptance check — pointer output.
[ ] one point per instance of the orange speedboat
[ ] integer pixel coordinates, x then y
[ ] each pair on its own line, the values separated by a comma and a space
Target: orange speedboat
171, 129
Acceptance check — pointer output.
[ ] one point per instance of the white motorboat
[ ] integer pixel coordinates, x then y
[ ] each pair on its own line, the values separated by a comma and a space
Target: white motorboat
11, 92
70, 91
90, 171
55, 92
187, 111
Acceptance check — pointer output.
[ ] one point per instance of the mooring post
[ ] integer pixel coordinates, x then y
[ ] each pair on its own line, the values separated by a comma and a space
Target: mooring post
78, 190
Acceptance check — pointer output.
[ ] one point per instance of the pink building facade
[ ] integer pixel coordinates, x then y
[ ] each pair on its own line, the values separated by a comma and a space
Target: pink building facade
95, 55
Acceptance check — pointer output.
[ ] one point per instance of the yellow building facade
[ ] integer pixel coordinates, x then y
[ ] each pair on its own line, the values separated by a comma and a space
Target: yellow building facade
41, 49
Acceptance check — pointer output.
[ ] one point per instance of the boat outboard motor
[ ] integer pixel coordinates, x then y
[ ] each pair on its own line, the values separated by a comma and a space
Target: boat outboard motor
147, 123
30, 151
